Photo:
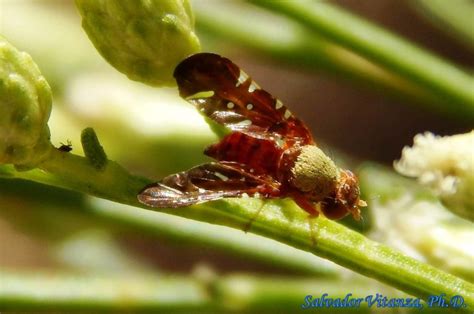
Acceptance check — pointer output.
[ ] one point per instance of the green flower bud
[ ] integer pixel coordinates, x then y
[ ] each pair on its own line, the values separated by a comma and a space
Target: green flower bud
25, 105
143, 39
445, 164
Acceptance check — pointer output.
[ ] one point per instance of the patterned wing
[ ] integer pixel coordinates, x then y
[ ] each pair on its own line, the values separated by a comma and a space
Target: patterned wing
207, 182
224, 93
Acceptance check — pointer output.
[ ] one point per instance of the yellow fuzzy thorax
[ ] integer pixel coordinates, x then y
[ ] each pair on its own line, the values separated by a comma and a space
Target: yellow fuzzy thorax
314, 171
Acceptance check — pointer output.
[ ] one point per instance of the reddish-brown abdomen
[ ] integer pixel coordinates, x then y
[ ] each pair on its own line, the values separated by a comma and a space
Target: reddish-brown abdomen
261, 155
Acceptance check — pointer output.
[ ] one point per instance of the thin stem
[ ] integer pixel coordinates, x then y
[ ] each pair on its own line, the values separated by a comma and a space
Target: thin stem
453, 16
228, 240
296, 45
43, 291
280, 220
173, 293
400, 57
72, 207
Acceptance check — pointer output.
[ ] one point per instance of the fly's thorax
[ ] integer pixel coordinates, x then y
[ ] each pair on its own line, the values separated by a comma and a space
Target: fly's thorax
314, 173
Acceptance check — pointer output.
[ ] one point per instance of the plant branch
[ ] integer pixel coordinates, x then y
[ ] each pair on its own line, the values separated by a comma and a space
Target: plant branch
172, 293
279, 220
400, 57
231, 241
454, 16
296, 45
41, 291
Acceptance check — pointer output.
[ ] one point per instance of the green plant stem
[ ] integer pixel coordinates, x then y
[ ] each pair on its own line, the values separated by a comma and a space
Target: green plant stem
279, 220
236, 293
454, 16
296, 45
75, 213
42, 291
397, 55
228, 240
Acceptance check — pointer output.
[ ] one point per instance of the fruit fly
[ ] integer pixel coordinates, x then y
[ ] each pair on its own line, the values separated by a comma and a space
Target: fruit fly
269, 153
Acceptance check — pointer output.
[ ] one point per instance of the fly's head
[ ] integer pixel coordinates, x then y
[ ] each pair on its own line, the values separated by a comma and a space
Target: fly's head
321, 181
346, 199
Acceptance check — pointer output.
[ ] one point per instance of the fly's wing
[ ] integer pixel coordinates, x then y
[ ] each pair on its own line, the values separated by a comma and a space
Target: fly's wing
207, 182
224, 93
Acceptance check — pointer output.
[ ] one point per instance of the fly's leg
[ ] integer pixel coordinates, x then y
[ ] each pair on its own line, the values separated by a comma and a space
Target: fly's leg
313, 212
248, 225
306, 205
313, 231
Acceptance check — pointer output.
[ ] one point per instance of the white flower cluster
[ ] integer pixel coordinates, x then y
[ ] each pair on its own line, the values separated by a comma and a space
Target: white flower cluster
445, 164
426, 231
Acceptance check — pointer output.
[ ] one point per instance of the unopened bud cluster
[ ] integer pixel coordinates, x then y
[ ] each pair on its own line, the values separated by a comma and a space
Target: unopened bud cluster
25, 105
143, 39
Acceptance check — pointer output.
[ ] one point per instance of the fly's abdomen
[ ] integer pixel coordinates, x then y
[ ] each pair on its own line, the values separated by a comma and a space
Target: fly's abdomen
259, 155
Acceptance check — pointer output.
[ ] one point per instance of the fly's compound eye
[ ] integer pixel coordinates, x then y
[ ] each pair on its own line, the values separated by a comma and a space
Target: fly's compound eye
334, 209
